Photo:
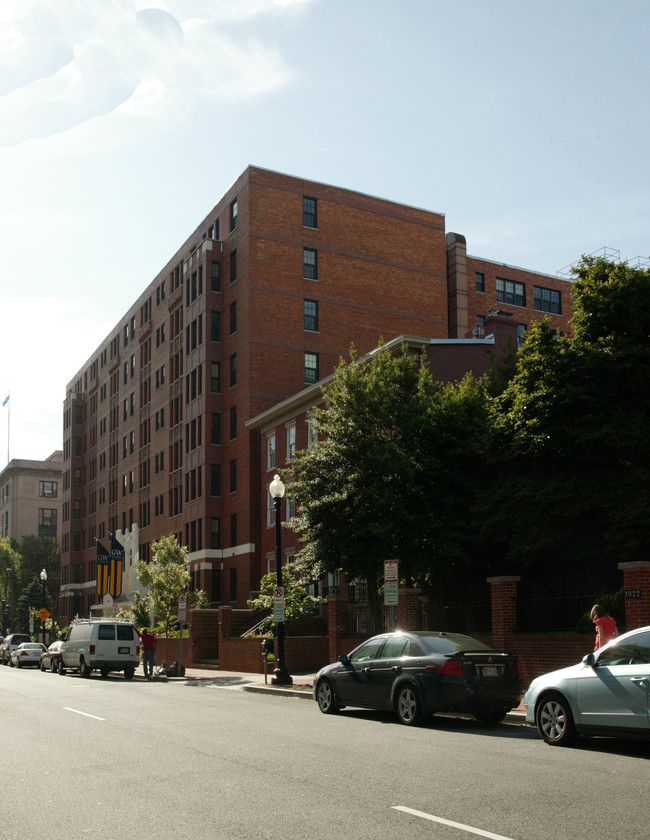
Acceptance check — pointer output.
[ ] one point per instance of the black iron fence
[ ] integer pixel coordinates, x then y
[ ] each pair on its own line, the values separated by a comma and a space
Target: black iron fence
567, 612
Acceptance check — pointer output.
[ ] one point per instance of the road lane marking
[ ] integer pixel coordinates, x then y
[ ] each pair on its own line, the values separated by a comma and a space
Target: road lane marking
467, 828
85, 714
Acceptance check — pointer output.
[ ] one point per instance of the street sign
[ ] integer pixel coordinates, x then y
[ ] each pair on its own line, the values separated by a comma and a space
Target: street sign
44, 614
391, 583
278, 604
391, 570
182, 608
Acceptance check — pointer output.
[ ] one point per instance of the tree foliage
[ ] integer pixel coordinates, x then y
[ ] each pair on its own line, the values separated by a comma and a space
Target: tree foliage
573, 431
394, 475
297, 602
166, 578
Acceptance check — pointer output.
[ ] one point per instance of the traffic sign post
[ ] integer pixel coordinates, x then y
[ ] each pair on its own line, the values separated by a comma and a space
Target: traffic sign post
391, 589
182, 614
278, 604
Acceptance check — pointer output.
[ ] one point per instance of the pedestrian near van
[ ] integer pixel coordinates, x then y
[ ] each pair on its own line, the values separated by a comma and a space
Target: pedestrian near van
606, 628
148, 652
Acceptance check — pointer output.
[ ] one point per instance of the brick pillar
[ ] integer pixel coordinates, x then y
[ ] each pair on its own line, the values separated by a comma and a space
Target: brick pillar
636, 583
408, 609
503, 592
336, 609
225, 622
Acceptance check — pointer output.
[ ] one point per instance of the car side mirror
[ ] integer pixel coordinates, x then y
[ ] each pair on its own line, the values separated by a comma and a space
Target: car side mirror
589, 660
343, 659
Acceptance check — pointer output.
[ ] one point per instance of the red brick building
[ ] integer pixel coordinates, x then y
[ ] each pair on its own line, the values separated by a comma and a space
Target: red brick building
262, 300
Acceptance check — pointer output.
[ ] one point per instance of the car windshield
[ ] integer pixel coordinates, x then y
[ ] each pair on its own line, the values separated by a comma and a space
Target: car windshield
451, 643
32, 646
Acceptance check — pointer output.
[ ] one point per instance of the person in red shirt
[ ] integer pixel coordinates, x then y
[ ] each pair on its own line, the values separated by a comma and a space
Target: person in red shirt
606, 628
148, 652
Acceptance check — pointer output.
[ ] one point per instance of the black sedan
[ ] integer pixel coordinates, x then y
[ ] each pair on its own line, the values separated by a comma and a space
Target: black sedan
419, 673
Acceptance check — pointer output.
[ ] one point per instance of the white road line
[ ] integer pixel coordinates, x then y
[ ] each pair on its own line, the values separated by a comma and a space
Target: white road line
467, 828
85, 714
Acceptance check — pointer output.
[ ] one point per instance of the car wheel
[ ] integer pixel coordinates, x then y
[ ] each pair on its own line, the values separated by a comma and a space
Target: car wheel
128, 673
325, 697
491, 716
84, 670
554, 720
407, 706
60, 668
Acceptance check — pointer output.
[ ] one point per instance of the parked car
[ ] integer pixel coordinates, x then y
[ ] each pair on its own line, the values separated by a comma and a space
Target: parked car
419, 673
103, 644
50, 657
29, 653
605, 694
10, 643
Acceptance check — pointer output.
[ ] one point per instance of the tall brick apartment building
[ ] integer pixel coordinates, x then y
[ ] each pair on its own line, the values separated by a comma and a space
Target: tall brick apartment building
261, 301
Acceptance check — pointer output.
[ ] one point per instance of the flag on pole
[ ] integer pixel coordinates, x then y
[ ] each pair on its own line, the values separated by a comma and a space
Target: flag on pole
117, 566
103, 568
5, 401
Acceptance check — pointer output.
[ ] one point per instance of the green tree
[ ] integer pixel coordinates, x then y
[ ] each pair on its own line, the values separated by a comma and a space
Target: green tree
393, 443
31, 599
38, 553
167, 578
574, 432
9, 579
297, 602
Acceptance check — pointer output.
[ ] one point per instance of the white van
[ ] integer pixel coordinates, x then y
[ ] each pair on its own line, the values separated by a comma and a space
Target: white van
102, 644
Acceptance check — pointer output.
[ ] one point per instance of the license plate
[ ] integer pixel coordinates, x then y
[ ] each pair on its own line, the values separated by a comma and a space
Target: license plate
490, 671
123, 650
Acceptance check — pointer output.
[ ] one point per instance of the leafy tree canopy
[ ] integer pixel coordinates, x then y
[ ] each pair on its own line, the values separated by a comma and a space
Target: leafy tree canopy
167, 578
297, 602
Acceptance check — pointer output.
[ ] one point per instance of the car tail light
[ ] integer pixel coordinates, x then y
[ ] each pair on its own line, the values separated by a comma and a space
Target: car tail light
451, 668
24, 653
92, 648
517, 668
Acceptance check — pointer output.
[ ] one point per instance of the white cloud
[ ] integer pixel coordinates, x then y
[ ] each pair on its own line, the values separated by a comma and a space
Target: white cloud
44, 343
61, 65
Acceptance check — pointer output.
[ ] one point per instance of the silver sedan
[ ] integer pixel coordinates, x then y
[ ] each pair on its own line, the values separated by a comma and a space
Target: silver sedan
29, 653
605, 694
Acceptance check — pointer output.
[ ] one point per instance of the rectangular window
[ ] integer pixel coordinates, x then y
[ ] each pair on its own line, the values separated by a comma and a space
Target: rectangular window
233, 422
310, 315
215, 277
480, 281
48, 489
291, 442
215, 326
547, 300
511, 292
215, 428
215, 479
270, 452
215, 378
233, 370
310, 264
47, 522
311, 368
233, 266
521, 334
215, 533
233, 475
233, 584
309, 212
233, 317
233, 215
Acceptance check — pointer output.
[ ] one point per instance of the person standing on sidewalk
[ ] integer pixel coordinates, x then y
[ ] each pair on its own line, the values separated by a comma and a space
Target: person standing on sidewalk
148, 652
606, 628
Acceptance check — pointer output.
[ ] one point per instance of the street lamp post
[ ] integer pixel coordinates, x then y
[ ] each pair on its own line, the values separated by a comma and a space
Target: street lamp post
280, 675
43, 579
5, 605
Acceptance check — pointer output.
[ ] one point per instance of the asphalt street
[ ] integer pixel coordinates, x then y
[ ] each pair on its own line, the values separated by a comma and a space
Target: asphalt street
199, 759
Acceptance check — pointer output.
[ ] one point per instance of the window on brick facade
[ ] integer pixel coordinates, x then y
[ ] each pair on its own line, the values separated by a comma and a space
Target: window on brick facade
310, 315
270, 452
511, 292
215, 536
310, 263
233, 422
233, 266
311, 368
215, 378
291, 442
309, 212
233, 475
521, 334
234, 210
215, 277
215, 326
233, 370
547, 300
233, 317
480, 281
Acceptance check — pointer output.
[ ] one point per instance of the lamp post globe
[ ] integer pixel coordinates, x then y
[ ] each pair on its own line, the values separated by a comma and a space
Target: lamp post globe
281, 675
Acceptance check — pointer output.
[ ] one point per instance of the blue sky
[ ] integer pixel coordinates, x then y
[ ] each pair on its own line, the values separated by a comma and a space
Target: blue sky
122, 123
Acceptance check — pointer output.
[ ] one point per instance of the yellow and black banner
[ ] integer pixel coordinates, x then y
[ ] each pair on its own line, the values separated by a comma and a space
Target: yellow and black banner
103, 569
117, 566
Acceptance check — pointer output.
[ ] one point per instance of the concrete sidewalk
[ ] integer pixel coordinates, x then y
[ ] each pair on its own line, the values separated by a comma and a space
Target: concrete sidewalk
301, 688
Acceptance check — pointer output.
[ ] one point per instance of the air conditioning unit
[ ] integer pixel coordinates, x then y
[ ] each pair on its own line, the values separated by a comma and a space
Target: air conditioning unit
478, 332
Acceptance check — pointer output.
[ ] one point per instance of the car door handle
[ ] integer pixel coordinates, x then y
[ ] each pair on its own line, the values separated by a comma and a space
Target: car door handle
397, 669
640, 680
365, 670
